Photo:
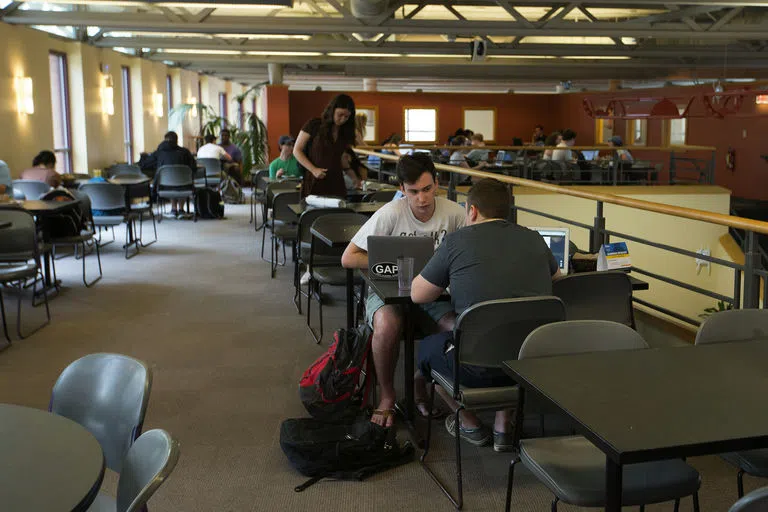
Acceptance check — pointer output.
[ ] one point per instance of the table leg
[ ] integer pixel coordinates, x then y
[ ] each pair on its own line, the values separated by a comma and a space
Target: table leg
350, 295
407, 407
47, 269
613, 485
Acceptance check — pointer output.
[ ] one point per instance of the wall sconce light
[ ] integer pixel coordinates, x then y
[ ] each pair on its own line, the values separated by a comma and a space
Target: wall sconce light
193, 101
107, 95
761, 99
25, 102
157, 100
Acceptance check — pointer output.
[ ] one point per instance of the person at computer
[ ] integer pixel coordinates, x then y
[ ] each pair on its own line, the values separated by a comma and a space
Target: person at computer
565, 154
459, 155
539, 137
553, 139
491, 258
419, 213
623, 154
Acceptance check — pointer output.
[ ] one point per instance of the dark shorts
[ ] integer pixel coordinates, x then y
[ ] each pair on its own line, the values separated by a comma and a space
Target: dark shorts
433, 356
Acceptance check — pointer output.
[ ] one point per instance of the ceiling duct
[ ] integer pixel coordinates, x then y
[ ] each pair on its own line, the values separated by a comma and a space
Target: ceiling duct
368, 10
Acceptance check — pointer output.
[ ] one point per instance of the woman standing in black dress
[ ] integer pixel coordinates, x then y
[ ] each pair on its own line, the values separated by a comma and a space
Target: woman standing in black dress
320, 148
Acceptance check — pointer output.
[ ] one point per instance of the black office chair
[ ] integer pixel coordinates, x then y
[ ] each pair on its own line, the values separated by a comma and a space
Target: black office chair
756, 501
487, 334
85, 238
380, 196
271, 190
572, 467
597, 296
110, 198
284, 226
210, 174
20, 262
258, 195
175, 182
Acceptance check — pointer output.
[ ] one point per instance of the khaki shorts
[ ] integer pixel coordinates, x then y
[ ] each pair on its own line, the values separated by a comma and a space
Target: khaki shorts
435, 310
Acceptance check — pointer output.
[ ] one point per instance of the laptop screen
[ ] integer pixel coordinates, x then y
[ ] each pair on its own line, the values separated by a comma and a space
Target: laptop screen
557, 239
590, 155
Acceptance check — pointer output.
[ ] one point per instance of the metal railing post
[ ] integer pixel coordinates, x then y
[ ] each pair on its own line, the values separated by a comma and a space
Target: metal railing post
751, 279
672, 167
616, 161
711, 173
452, 181
512, 210
596, 235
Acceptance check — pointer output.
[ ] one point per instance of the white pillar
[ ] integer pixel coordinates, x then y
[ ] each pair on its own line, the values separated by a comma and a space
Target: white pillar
370, 84
275, 71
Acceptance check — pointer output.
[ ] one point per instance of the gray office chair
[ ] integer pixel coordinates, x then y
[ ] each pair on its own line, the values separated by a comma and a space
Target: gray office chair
596, 296
175, 182
571, 467
756, 501
122, 170
303, 245
20, 262
86, 237
211, 173
733, 326
148, 464
111, 200
284, 226
325, 262
487, 334
271, 190
380, 196
258, 194
29, 189
108, 395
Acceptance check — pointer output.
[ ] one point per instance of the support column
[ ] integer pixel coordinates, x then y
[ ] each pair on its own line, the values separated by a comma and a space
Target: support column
276, 116
275, 72
370, 84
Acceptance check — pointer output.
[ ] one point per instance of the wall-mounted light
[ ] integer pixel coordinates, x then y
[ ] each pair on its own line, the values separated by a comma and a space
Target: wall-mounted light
107, 95
761, 99
25, 102
193, 101
157, 104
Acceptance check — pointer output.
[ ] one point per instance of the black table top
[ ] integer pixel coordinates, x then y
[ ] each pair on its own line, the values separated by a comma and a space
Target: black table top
390, 292
638, 284
48, 462
658, 403
38, 207
364, 208
338, 235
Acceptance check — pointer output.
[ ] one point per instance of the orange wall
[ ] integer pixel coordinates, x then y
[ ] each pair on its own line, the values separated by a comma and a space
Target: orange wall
515, 114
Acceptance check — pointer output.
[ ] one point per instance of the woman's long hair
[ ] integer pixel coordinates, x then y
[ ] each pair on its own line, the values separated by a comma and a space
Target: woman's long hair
347, 130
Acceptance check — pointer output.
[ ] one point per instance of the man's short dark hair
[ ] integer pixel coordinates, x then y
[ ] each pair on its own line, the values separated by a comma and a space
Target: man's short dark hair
210, 138
226, 130
491, 198
411, 167
568, 134
172, 137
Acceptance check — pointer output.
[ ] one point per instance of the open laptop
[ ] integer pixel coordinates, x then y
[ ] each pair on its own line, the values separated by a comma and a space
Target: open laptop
383, 252
501, 155
590, 155
557, 240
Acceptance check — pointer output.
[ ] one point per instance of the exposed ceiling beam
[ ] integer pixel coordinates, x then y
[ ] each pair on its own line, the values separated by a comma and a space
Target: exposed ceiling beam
725, 19
254, 25
675, 15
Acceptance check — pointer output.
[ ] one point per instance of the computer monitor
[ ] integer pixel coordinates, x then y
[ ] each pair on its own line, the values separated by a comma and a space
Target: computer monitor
500, 156
557, 239
590, 154
406, 149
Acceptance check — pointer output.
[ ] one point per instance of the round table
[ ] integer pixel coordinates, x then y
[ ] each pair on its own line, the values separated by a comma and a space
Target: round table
47, 462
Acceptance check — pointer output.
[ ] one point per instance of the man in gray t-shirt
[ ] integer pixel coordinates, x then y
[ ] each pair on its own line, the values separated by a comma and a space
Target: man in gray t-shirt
488, 259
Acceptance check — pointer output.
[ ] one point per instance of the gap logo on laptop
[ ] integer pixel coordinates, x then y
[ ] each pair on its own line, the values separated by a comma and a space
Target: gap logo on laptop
384, 269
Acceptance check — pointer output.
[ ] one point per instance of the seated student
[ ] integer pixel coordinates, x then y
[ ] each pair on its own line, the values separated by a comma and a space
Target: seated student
212, 150
478, 154
553, 139
489, 259
565, 155
232, 169
459, 155
169, 152
285, 165
624, 154
419, 213
43, 169
392, 143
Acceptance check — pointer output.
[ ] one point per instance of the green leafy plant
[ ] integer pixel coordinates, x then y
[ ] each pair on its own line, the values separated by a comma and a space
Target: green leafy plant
721, 306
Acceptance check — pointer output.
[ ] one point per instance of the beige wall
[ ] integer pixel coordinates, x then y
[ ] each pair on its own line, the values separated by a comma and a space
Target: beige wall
683, 233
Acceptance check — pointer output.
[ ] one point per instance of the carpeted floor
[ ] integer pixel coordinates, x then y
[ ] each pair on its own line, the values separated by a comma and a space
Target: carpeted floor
227, 348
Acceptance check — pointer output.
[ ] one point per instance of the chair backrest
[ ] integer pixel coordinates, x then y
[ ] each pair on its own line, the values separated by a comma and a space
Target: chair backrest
256, 179
733, 325
279, 186
18, 242
383, 196
108, 395
756, 501
149, 462
596, 296
308, 217
491, 332
280, 210
578, 336
30, 189
122, 169
336, 222
105, 196
212, 166
175, 176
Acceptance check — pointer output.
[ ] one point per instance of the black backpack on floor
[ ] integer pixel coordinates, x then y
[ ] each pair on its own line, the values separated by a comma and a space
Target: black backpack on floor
352, 451
208, 204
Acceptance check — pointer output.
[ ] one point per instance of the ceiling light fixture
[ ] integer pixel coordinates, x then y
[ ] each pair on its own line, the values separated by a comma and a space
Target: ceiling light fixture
283, 54
496, 56
596, 57
213, 5
355, 54
300, 37
436, 55
200, 52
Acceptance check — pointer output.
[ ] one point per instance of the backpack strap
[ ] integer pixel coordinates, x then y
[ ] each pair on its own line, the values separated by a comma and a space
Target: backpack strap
309, 483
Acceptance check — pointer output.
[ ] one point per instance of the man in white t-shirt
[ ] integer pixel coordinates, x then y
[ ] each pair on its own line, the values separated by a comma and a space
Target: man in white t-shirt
565, 155
419, 213
212, 150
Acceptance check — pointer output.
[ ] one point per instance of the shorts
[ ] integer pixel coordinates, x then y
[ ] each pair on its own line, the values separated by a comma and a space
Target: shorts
435, 310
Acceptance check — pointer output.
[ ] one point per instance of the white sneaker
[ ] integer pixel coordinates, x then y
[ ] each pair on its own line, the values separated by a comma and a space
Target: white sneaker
305, 278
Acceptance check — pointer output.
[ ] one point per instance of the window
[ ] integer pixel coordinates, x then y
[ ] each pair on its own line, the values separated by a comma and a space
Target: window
637, 131
421, 124
223, 105
62, 140
603, 130
481, 120
169, 92
677, 130
371, 134
127, 114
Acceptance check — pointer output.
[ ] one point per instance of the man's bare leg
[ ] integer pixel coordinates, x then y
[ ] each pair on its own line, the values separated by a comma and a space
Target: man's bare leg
387, 327
446, 323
